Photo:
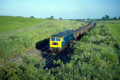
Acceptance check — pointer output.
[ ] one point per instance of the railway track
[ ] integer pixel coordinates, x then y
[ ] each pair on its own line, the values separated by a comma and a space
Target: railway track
43, 59
29, 53
48, 60
49, 63
34, 53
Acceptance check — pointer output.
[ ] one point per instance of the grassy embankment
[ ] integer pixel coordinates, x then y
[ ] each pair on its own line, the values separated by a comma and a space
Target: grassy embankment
18, 34
95, 57
114, 27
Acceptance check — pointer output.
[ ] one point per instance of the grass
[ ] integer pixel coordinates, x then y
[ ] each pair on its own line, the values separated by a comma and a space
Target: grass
17, 41
114, 27
8, 23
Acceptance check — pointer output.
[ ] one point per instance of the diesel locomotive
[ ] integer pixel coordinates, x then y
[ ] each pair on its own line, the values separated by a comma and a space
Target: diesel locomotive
58, 42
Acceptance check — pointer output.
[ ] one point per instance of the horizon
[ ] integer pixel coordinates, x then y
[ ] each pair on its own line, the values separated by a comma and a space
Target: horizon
69, 9
61, 17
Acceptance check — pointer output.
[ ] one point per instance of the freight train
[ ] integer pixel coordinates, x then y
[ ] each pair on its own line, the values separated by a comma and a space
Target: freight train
58, 42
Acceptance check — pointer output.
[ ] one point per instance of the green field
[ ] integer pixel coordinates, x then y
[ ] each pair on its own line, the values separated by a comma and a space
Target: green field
8, 23
19, 34
114, 27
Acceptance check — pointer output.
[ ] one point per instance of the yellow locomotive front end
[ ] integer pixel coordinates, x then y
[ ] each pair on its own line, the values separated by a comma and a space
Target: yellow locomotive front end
55, 44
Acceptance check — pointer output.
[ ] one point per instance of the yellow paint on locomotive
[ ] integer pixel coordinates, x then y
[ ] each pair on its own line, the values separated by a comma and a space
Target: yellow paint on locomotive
58, 43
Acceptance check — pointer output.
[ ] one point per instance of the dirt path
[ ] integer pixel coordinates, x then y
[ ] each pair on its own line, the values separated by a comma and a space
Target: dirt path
16, 59
32, 52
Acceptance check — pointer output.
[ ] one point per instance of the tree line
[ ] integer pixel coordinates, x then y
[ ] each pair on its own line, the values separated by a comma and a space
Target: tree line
104, 18
51, 17
107, 17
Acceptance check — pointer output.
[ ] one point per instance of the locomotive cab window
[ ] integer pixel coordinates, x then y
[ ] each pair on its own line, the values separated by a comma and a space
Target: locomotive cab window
52, 39
57, 39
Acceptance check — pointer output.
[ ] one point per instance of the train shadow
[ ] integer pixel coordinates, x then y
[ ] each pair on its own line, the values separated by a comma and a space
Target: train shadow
43, 47
40, 45
63, 58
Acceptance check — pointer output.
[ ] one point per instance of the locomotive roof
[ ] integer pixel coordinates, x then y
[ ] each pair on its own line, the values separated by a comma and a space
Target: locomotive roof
63, 34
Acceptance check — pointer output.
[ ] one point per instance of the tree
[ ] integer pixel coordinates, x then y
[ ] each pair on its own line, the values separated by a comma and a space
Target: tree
107, 17
103, 18
114, 18
60, 18
78, 20
52, 17
31, 16
119, 17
